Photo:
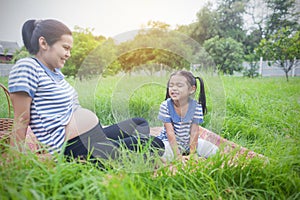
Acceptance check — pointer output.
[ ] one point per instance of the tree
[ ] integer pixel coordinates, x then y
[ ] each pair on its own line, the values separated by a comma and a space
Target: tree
226, 53
101, 60
282, 14
256, 13
206, 26
266, 17
252, 41
251, 72
158, 25
155, 46
283, 48
84, 43
21, 53
230, 19
132, 60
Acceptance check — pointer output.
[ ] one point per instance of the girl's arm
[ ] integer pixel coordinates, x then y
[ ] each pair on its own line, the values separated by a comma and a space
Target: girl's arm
194, 138
21, 103
172, 139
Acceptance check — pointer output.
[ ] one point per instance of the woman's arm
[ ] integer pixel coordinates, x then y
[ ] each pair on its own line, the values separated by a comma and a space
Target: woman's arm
21, 103
194, 138
172, 139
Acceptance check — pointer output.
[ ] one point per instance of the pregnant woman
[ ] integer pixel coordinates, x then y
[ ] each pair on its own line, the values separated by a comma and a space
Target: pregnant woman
45, 101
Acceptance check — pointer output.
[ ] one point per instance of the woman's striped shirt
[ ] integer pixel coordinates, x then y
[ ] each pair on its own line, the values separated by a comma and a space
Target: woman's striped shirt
53, 100
181, 125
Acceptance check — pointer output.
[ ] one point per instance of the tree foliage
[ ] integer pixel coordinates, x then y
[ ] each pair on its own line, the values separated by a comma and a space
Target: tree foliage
221, 29
230, 19
282, 14
21, 53
283, 48
251, 71
100, 59
224, 21
206, 26
151, 57
84, 43
226, 53
152, 47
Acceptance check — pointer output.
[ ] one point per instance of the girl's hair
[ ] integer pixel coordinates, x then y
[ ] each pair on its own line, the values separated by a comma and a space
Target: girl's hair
192, 81
50, 29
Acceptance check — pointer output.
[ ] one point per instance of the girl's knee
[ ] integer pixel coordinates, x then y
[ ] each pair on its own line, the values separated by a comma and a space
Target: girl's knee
206, 148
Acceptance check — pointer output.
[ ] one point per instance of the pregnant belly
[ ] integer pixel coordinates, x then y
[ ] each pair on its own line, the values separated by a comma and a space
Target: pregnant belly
81, 121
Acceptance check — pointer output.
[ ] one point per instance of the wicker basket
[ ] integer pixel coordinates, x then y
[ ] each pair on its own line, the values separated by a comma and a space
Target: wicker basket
6, 123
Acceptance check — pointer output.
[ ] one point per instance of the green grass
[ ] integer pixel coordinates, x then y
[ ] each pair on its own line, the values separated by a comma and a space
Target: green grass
3, 102
261, 114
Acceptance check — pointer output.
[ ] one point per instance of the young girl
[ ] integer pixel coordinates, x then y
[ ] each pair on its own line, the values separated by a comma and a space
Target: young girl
181, 115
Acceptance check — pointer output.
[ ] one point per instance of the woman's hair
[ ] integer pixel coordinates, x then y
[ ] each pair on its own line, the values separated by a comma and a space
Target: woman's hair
192, 81
50, 29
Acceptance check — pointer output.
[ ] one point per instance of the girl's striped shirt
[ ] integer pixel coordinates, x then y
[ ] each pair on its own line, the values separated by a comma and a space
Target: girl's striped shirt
181, 125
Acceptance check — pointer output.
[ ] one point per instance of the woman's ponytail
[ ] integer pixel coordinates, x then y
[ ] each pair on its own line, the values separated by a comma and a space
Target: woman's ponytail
27, 32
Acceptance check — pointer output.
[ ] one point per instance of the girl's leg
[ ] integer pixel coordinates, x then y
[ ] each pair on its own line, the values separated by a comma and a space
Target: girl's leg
131, 127
168, 154
206, 148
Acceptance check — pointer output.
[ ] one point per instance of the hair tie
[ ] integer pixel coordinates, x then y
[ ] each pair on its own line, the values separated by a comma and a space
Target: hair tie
37, 23
195, 80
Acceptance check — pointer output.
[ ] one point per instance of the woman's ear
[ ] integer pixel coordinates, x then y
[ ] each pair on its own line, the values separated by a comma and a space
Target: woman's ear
43, 43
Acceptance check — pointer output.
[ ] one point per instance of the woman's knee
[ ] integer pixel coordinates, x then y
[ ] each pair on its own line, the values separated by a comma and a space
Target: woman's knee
140, 121
140, 125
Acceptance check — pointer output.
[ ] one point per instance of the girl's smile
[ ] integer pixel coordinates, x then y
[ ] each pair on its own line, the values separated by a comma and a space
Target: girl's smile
179, 89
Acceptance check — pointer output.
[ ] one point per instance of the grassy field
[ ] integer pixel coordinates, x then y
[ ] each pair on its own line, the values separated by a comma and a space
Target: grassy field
261, 114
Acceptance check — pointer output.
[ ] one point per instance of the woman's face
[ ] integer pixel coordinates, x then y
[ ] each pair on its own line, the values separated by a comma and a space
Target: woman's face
56, 55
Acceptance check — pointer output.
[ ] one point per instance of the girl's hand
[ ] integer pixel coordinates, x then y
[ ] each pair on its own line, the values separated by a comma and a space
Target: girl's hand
194, 157
44, 157
194, 138
185, 158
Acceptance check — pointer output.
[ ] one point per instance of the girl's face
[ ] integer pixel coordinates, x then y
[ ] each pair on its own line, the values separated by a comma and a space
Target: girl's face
56, 55
179, 88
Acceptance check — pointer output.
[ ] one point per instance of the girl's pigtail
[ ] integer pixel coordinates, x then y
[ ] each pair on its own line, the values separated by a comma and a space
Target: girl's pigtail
202, 97
167, 93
